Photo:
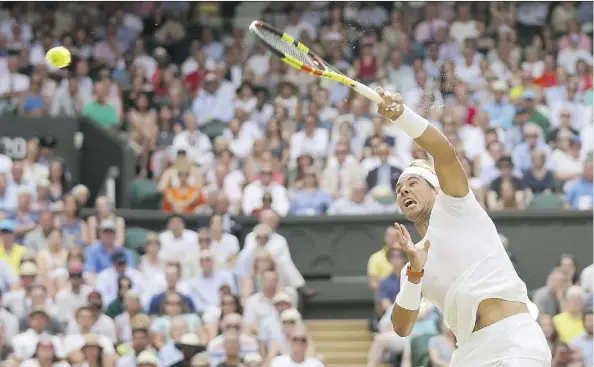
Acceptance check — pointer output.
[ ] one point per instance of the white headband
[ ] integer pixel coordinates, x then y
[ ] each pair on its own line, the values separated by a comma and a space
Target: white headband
421, 172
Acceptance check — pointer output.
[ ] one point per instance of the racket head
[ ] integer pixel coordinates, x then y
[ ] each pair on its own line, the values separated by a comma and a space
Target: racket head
290, 50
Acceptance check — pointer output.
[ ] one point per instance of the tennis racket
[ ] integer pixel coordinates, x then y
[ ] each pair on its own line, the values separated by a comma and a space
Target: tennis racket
300, 57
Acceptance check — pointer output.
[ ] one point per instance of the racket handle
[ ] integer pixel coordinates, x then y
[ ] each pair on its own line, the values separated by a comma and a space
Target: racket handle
367, 92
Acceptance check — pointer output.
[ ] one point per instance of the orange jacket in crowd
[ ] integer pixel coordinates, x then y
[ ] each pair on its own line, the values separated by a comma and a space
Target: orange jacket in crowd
185, 199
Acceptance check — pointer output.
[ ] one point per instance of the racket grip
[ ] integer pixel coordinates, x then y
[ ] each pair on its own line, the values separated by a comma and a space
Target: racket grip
367, 92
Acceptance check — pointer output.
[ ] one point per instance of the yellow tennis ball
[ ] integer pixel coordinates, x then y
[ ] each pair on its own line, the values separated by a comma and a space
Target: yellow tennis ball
58, 57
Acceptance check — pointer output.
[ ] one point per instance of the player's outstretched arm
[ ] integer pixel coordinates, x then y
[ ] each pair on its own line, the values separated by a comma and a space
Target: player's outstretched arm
405, 310
449, 170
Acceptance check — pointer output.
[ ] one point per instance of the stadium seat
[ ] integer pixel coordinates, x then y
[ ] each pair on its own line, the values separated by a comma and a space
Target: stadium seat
136, 239
144, 195
419, 348
546, 201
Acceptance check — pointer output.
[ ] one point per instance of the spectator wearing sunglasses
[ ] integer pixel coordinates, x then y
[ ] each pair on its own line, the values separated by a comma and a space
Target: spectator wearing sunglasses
297, 355
217, 352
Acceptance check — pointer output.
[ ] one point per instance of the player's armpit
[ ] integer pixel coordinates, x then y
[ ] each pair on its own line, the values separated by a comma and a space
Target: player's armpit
449, 170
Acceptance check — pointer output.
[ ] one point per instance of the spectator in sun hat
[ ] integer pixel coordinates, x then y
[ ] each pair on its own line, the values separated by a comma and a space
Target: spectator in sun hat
147, 358
252, 360
190, 345
200, 360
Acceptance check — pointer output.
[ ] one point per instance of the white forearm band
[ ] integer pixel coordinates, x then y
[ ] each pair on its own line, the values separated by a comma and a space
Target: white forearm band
409, 296
412, 123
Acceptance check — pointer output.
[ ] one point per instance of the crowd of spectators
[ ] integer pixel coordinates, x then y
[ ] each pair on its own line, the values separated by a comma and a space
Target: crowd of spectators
222, 127
73, 295
211, 112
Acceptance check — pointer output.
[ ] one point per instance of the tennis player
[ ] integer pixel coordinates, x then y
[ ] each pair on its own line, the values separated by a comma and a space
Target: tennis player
460, 264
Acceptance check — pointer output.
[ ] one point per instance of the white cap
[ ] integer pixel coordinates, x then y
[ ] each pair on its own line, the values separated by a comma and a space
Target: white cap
290, 315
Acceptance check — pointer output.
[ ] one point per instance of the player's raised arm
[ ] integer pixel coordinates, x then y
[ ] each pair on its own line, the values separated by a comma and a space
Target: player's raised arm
449, 170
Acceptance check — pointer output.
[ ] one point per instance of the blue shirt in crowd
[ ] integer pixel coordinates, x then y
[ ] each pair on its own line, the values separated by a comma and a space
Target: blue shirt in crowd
388, 288
157, 302
500, 114
580, 195
98, 259
310, 203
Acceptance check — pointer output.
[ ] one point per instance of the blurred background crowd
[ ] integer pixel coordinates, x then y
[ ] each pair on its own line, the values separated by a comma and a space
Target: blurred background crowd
224, 128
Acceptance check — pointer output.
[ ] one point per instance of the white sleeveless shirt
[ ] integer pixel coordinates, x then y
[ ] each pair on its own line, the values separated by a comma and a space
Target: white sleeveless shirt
466, 263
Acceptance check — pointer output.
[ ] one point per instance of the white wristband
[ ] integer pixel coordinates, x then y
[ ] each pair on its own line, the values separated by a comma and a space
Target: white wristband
412, 123
409, 296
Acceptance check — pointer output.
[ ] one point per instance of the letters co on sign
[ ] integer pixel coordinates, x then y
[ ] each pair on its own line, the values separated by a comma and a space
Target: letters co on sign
15, 147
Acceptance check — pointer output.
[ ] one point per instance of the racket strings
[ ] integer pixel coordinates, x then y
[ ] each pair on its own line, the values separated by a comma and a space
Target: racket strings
274, 41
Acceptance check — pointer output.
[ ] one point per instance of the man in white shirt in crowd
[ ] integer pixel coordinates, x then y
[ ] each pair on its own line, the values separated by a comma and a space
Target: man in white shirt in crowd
193, 141
39, 298
296, 26
259, 62
11, 85
464, 27
74, 294
8, 193
253, 193
204, 288
297, 356
9, 322
103, 324
276, 244
85, 319
224, 257
25, 343
400, 75
587, 277
271, 330
358, 204
192, 259
568, 57
260, 306
225, 245
177, 241
231, 324
212, 104
342, 171
312, 139
239, 138
107, 280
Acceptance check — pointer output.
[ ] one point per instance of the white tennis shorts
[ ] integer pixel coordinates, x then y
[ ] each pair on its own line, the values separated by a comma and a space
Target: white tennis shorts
517, 341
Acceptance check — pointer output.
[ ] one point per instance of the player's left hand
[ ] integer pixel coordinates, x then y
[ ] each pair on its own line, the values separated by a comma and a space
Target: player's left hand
393, 104
417, 257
